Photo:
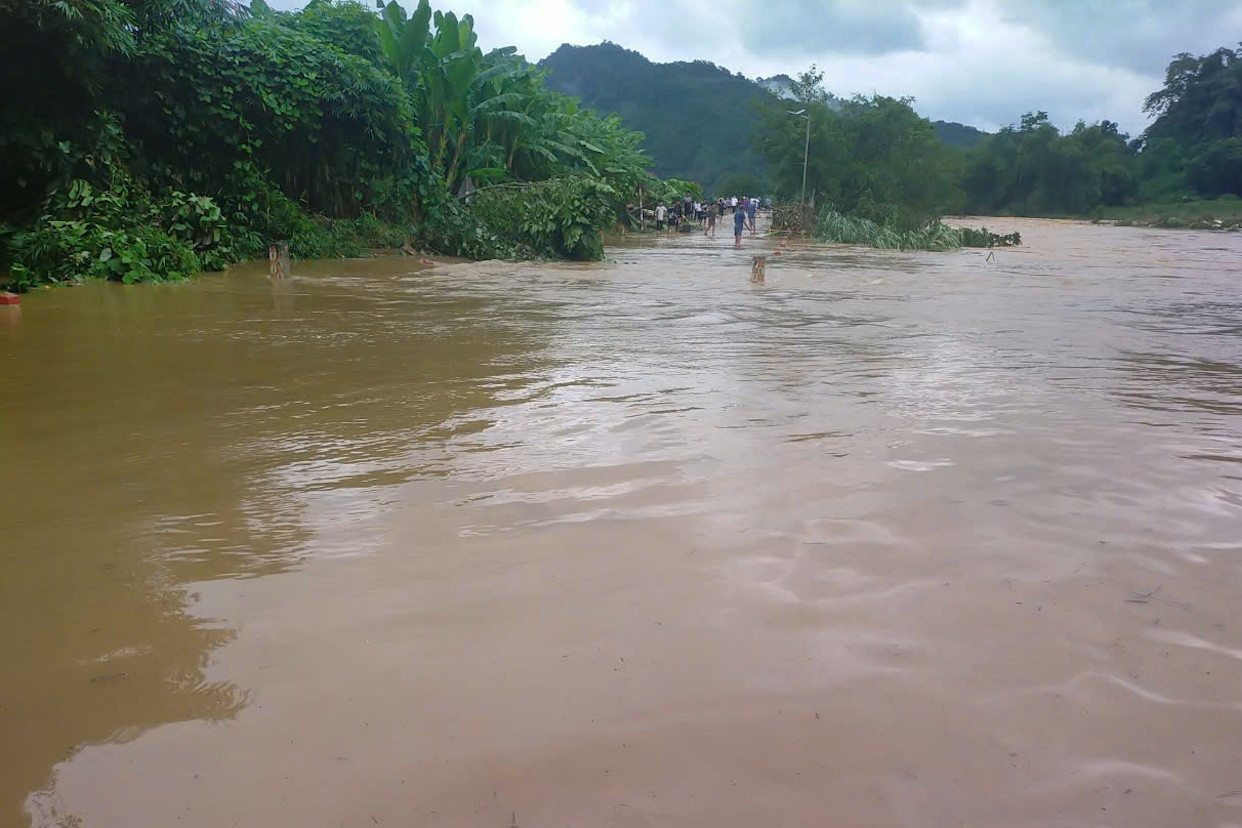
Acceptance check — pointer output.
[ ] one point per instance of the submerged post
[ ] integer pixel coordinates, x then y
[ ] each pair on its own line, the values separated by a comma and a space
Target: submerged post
278, 259
10, 310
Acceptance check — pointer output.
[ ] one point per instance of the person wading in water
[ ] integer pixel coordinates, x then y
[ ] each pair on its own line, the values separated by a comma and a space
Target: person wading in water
739, 224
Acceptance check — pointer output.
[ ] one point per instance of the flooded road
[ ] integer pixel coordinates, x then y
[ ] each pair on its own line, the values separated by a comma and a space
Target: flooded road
892, 540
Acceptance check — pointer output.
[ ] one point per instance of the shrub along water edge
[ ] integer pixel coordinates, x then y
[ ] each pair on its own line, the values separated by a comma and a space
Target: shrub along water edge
839, 228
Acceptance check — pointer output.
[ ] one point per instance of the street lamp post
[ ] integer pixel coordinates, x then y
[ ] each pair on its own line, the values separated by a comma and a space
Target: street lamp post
806, 147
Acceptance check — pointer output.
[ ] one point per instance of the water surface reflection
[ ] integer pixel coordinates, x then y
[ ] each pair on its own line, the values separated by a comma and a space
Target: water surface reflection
159, 438
911, 539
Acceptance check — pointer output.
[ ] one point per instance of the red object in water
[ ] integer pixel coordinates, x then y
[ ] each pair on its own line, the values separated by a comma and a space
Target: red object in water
778, 253
7, 298
427, 262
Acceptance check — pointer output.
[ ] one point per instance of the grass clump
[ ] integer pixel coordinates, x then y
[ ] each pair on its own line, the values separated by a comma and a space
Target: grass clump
843, 229
984, 238
935, 236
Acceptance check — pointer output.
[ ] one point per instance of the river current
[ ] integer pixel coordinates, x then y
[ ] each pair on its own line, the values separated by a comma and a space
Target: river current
894, 539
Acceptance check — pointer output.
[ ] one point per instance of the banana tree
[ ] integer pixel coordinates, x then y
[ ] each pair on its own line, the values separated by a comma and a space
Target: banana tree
404, 40
492, 116
439, 70
451, 87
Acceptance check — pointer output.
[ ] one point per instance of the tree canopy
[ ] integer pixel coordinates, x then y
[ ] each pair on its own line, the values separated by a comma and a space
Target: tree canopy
1192, 148
189, 133
147, 139
1034, 169
873, 157
1197, 130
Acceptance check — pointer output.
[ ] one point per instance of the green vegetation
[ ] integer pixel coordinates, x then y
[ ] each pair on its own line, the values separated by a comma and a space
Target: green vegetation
845, 229
873, 158
959, 135
1215, 213
145, 140
884, 176
1033, 169
678, 107
698, 117
1192, 150
831, 226
887, 178
1195, 143
984, 238
557, 219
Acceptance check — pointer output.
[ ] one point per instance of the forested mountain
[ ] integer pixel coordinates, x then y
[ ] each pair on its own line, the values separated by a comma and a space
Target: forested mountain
959, 135
698, 117
680, 106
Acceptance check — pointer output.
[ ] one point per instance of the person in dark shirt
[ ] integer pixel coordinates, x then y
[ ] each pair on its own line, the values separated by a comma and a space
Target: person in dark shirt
739, 224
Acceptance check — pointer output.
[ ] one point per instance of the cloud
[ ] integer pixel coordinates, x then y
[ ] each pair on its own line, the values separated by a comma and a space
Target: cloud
982, 62
796, 28
980, 67
1140, 35
813, 27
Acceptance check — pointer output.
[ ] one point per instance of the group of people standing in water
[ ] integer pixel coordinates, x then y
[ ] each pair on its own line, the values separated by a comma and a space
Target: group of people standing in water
708, 214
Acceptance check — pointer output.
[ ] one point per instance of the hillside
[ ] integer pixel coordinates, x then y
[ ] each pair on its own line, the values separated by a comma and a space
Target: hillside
959, 135
698, 117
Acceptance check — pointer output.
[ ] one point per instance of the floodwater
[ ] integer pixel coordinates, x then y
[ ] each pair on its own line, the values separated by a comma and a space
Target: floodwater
892, 540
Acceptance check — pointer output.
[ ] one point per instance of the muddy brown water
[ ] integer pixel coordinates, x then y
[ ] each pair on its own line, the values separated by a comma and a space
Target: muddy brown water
892, 540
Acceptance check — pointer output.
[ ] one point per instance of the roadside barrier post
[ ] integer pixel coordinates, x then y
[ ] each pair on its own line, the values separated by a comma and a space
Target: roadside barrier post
278, 259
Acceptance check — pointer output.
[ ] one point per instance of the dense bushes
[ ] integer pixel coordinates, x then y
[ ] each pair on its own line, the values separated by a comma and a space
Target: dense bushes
61, 251
326, 126
985, 238
832, 226
117, 233
559, 218
187, 134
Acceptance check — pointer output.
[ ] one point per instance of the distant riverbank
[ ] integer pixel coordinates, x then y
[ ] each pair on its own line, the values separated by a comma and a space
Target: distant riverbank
1201, 214
1223, 213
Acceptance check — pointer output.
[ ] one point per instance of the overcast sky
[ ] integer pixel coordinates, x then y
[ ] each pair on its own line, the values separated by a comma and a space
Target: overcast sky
981, 62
